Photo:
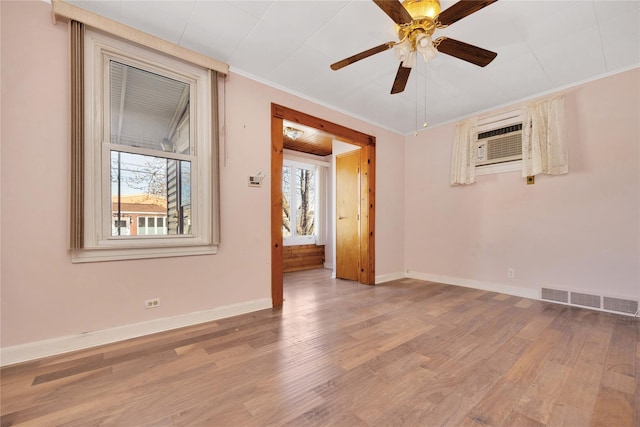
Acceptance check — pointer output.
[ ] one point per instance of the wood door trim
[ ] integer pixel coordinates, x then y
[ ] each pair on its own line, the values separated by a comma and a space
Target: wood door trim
367, 196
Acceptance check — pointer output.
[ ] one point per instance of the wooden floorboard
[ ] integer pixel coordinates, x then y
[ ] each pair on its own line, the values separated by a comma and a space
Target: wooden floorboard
403, 353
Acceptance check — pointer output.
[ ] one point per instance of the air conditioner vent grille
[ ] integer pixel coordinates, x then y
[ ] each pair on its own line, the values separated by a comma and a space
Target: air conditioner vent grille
506, 146
499, 145
501, 131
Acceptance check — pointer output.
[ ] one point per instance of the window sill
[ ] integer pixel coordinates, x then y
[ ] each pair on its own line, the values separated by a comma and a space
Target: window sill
120, 254
299, 241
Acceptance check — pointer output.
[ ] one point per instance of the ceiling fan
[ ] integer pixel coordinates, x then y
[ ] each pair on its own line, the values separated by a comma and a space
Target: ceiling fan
417, 20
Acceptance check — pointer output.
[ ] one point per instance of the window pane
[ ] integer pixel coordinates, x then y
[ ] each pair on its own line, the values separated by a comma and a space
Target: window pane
178, 197
305, 202
286, 202
148, 110
138, 185
185, 196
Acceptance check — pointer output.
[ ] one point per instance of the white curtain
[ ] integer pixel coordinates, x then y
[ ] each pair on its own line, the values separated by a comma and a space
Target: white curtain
463, 158
321, 205
544, 138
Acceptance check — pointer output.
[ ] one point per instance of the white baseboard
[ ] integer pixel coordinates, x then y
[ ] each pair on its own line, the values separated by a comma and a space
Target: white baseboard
389, 277
476, 284
39, 349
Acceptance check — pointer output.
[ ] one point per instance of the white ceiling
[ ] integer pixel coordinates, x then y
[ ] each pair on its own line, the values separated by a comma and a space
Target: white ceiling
542, 46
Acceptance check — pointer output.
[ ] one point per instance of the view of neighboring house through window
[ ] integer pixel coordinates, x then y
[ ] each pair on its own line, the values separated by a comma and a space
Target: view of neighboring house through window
299, 202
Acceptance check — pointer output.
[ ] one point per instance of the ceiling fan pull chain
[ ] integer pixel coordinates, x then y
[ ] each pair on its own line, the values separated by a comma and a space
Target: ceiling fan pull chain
426, 79
416, 127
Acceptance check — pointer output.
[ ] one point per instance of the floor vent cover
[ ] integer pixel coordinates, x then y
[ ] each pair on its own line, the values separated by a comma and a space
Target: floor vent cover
586, 300
555, 295
621, 305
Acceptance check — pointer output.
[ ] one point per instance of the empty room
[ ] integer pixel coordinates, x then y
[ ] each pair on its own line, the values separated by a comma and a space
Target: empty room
320, 213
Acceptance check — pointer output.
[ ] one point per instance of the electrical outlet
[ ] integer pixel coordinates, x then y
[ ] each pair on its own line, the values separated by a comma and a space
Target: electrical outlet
152, 303
511, 273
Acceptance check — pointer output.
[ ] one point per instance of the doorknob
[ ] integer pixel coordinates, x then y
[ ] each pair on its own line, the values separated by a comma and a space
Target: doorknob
341, 217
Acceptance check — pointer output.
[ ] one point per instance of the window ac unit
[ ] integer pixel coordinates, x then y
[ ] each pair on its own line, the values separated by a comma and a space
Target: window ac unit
499, 145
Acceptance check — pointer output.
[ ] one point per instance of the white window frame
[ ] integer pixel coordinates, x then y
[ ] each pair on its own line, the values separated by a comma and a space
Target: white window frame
99, 244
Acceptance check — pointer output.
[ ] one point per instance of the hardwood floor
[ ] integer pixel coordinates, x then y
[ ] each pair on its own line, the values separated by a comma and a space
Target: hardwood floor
338, 353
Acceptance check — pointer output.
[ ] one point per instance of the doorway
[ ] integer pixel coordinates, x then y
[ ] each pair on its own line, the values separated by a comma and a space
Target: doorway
366, 226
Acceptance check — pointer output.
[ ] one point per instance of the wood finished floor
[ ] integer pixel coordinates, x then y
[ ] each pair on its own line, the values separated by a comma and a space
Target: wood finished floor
407, 353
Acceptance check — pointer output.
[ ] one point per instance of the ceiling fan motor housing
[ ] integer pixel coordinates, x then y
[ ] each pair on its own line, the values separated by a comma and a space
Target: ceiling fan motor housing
413, 31
422, 8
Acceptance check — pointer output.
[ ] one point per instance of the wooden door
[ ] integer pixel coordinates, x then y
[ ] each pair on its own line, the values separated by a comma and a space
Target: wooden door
348, 215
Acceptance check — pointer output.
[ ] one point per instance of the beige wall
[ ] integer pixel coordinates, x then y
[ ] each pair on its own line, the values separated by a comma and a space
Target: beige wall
578, 231
44, 295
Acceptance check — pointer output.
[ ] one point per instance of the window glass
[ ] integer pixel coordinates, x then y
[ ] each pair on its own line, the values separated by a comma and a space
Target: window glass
148, 110
305, 202
298, 201
140, 183
286, 201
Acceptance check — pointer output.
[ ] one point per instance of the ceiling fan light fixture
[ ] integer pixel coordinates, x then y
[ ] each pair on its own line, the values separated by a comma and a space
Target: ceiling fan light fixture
419, 9
402, 51
292, 133
424, 45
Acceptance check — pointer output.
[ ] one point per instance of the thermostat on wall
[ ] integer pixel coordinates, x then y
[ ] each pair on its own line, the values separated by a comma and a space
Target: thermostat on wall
256, 180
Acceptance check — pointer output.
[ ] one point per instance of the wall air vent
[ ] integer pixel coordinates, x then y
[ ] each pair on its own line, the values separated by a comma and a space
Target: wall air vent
555, 295
586, 300
620, 305
499, 145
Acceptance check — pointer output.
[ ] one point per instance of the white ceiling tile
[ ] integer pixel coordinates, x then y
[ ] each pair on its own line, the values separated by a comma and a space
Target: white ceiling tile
358, 26
573, 58
558, 23
614, 8
508, 77
302, 18
167, 22
621, 41
254, 8
217, 29
107, 8
296, 71
251, 55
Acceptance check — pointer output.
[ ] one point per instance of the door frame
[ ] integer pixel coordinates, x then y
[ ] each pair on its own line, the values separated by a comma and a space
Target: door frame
279, 113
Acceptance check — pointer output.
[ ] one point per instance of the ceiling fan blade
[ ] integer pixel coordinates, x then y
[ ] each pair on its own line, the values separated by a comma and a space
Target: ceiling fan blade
460, 10
466, 52
402, 76
362, 55
395, 10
